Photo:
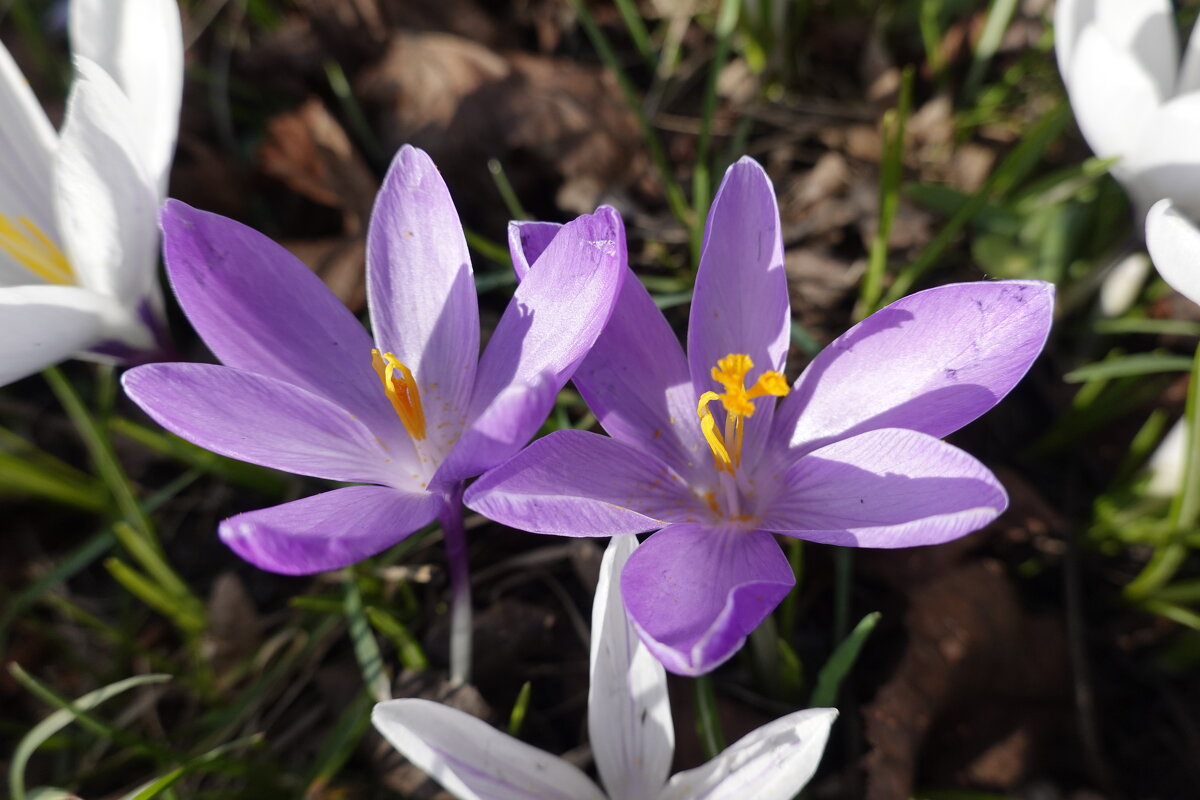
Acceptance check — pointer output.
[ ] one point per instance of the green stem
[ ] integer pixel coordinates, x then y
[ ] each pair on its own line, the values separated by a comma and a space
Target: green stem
708, 724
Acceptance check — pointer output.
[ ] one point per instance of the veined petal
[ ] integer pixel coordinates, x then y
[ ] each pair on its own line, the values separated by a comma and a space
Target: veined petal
474, 761
553, 319
574, 483
329, 530
140, 44
772, 763
1165, 163
27, 144
635, 378
885, 488
259, 309
106, 203
740, 304
695, 593
421, 291
262, 420
527, 241
42, 325
1174, 244
931, 362
629, 714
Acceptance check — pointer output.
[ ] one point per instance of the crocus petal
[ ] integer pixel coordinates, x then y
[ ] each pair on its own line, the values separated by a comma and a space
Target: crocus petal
552, 321
1112, 93
329, 530
421, 291
27, 143
474, 761
261, 420
574, 483
140, 44
932, 362
42, 325
885, 488
527, 241
1165, 162
695, 593
107, 204
740, 304
259, 309
1188, 79
772, 763
629, 714
1174, 244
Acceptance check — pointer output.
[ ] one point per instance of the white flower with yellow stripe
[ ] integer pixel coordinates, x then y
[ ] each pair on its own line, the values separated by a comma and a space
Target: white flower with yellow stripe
78, 207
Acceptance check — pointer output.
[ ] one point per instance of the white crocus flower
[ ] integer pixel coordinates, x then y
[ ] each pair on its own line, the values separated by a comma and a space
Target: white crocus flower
1132, 97
1174, 244
629, 723
79, 208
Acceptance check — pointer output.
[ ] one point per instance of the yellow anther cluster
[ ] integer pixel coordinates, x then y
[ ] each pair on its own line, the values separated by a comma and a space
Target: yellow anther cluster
27, 244
401, 389
738, 402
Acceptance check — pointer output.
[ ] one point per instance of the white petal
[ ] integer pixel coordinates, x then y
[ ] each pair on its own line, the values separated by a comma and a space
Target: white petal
1146, 30
1174, 244
1166, 161
772, 763
1070, 18
1112, 94
1189, 72
1123, 283
42, 325
139, 43
474, 761
629, 715
27, 143
107, 205
1166, 463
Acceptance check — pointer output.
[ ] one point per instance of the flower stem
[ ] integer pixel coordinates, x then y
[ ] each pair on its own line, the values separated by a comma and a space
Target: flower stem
451, 518
708, 725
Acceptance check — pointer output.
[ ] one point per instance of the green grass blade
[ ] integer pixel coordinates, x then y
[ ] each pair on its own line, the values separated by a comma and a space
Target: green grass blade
727, 18
829, 679
1129, 366
366, 649
505, 188
516, 720
708, 723
999, 16
407, 647
60, 719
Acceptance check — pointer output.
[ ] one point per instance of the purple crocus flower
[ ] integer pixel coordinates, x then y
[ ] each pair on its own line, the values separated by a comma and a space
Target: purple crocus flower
412, 414
698, 448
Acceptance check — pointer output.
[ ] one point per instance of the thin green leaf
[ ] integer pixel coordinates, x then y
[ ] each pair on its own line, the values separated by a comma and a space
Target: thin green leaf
1129, 366
829, 679
407, 647
153, 595
516, 720
366, 649
340, 744
708, 723
507, 193
159, 785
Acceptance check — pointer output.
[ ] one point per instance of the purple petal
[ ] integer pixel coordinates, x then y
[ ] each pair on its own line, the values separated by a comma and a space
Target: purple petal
554, 317
695, 593
885, 488
261, 420
330, 530
636, 381
931, 362
574, 483
421, 290
259, 309
527, 241
741, 300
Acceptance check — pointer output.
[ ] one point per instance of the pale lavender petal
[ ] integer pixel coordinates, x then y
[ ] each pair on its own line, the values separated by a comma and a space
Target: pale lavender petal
629, 714
885, 488
695, 593
636, 381
259, 309
261, 420
574, 483
773, 762
330, 530
421, 290
740, 303
527, 241
931, 362
554, 317
474, 761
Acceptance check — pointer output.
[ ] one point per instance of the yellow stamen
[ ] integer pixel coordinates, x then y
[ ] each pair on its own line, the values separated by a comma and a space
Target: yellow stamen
27, 244
731, 372
402, 390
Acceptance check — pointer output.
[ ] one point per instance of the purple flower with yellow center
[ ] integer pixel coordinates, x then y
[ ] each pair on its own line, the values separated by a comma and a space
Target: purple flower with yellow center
409, 416
701, 448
